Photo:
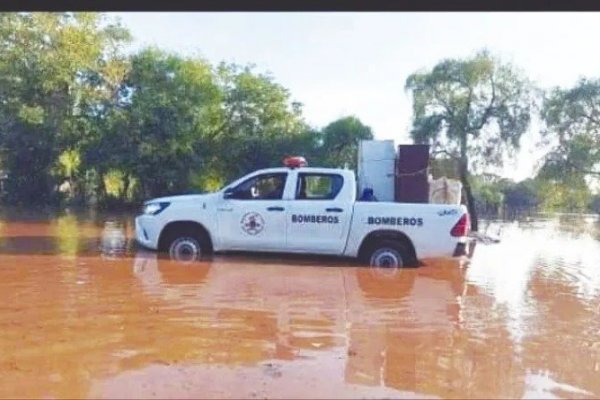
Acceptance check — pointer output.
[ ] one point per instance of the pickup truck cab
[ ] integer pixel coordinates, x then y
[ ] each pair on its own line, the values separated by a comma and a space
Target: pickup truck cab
302, 210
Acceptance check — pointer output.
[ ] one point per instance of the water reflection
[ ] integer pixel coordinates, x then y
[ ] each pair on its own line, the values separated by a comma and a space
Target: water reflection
66, 230
114, 239
588, 225
83, 313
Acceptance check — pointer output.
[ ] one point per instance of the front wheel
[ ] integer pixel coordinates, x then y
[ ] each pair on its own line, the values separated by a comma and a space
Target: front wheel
389, 254
186, 248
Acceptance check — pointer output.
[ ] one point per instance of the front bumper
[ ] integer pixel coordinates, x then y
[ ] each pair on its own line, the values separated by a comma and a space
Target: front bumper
146, 232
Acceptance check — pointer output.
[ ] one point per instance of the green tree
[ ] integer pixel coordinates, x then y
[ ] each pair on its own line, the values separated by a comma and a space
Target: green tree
55, 68
473, 110
488, 193
74, 110
259, 123
570, 194
69, 163
339, 142
159, 130
572, 122
521, 196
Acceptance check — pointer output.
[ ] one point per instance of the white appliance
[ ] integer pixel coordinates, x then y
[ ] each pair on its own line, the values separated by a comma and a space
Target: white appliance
376, 167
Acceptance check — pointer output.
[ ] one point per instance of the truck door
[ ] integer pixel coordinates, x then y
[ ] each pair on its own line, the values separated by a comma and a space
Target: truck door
317, 219
252, 216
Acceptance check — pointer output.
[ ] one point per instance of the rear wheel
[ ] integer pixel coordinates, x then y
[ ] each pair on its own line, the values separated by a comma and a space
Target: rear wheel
389, 254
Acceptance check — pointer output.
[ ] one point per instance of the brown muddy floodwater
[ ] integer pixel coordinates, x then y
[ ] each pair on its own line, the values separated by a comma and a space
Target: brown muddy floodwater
85, 314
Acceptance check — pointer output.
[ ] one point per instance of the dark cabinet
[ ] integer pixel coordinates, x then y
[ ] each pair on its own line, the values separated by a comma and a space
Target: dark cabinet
412, 169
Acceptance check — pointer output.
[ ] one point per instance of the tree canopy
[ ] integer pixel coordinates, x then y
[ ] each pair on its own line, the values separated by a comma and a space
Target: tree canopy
56, 70
340, 141
572, 120
82, 122
473, 110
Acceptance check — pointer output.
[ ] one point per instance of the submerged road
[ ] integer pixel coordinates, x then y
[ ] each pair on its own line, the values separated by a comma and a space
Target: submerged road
85, 314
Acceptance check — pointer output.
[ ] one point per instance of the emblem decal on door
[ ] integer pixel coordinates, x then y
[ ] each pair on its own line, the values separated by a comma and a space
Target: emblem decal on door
252, 223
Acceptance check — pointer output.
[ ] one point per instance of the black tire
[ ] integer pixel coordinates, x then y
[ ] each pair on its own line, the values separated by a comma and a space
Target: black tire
389, 253
186, 246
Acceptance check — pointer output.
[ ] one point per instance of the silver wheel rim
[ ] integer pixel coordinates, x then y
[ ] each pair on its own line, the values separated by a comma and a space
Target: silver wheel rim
386, 258
185, 249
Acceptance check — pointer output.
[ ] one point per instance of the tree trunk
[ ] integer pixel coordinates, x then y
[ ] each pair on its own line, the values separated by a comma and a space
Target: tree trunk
464, 178
101, 188
71, 189
125, 188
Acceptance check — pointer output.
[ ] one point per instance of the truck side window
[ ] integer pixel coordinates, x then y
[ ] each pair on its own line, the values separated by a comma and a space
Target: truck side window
261, 187
318, 186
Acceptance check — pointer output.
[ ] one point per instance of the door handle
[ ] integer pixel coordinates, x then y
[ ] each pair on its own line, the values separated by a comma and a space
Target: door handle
224, 209
275, 208
334, 209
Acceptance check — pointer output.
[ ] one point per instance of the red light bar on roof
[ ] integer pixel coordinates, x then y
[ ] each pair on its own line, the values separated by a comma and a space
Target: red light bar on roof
295, 162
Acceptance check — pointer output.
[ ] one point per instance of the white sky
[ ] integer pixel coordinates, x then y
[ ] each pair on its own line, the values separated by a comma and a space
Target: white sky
338, 64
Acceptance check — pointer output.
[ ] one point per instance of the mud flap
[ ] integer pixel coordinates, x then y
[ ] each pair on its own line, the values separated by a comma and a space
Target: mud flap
460, 250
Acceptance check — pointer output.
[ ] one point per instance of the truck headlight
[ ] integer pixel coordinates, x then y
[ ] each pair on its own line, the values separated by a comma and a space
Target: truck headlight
154, 208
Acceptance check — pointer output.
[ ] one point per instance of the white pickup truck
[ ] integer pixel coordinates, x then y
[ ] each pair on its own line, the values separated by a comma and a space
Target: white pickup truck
302, 210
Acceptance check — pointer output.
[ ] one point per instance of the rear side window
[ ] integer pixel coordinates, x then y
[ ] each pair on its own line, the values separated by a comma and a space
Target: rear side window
318, 186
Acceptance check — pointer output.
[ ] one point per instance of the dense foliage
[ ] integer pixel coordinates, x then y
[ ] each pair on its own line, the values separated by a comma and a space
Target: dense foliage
83, 123
473, 110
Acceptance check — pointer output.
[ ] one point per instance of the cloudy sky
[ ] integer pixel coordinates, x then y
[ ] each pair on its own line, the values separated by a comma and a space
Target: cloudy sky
338, 64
